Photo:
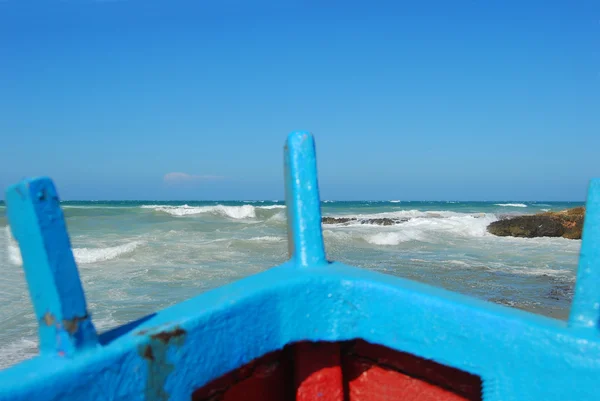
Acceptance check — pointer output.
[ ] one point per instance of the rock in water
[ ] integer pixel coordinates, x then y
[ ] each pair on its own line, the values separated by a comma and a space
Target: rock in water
572, 221
383, 221
527, 226
567, 223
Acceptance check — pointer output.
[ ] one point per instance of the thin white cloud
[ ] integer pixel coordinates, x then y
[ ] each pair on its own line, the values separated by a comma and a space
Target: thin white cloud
177, 177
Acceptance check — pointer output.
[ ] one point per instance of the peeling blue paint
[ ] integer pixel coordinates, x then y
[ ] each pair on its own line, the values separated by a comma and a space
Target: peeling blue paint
167, 355
38, 225
155, 353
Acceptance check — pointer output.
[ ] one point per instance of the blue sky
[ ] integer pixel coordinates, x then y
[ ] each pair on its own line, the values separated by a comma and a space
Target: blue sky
419, 100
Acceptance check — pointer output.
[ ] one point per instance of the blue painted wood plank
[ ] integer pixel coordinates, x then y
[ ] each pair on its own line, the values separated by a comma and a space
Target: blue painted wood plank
585, 310
38, 225
519, 356
305, 238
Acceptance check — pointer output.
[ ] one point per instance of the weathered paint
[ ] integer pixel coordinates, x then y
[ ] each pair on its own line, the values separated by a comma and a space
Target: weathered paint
155, 353
517, 355
38, 225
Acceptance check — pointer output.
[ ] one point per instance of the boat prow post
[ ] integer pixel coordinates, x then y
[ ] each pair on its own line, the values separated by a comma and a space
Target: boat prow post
305, 235
38, 225
585, 309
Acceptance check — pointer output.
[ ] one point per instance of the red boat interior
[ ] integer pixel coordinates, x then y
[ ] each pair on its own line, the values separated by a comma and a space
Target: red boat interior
345, 371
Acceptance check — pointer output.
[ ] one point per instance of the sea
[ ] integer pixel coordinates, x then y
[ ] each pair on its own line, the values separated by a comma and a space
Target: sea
136, 257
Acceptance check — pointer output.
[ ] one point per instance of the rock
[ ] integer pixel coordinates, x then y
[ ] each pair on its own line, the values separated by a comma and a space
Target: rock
527, 226
572, 221
336, 220
384, 221
559, 292
566, 223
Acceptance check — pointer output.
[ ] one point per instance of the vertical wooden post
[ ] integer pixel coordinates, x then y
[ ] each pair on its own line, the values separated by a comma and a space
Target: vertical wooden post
585, 310
38, 225
305, 238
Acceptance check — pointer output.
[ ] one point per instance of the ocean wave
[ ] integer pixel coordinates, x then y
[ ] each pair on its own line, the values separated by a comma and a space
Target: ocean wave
94, 255
280, 216
112, 207
433, 230
394, 201
267, 238
234, 212
271, 207
82, 255
393, 238
457, 262
407, 214
510, 204
18, 351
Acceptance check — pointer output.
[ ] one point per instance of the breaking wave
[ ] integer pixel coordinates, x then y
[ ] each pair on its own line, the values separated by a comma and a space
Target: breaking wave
93, 255
233, 212
267, 238
409, 214
434, 229
510, 204
82, 255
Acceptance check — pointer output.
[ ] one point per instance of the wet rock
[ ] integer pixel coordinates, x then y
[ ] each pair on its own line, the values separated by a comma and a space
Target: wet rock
567, 223
563, 291
336, 220
384, 221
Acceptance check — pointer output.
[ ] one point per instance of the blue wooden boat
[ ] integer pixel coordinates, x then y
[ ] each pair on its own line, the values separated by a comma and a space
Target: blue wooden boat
309, 329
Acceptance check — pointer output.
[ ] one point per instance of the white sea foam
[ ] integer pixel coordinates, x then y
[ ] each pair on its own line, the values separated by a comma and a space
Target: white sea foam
17, 351
433, 229
395, 201
94, 255
545, 210
392, 238
96, 207
511, 204
82, 255
457, 262
278, 217
409, 214
271, 207
234, 212
267, 238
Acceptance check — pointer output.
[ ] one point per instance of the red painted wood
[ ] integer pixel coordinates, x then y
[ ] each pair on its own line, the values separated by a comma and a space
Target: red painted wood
458, 381
267, 378
370, 382
318, 372
347, 371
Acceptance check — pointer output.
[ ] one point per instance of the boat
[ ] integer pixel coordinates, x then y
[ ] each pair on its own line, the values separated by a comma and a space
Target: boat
309, 329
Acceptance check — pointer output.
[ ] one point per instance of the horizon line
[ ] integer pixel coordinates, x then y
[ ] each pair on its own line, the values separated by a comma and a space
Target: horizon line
322, 201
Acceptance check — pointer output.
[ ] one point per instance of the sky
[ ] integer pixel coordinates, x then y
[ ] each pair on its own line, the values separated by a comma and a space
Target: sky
409, 100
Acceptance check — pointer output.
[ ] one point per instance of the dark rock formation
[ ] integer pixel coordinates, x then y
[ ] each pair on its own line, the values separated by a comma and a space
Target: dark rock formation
559, 292
566, 223
384, 221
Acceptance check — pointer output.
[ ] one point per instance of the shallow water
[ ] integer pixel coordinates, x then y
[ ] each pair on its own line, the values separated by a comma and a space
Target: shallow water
136, 257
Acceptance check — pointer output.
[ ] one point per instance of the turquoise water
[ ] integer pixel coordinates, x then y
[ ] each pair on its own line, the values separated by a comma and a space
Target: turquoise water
136, 257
